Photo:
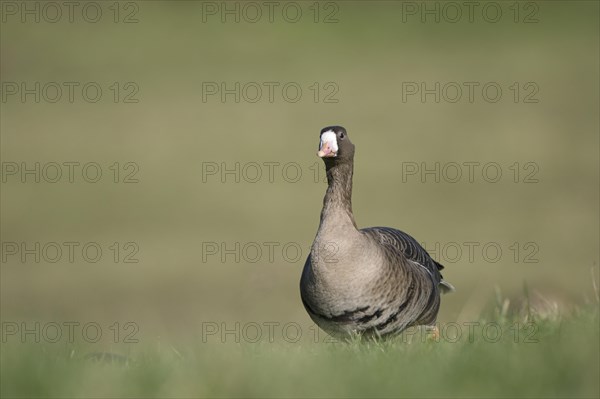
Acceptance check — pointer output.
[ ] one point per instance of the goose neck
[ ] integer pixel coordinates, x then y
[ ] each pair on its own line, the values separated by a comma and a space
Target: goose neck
337, 204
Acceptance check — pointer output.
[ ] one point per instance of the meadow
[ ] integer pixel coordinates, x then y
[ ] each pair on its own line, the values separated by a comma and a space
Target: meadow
160, 192
524, 354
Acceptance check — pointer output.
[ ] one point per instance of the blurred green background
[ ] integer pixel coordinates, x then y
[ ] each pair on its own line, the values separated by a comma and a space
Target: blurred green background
171, 134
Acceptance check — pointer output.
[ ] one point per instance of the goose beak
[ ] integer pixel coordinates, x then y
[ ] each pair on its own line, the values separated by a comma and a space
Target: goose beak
326, 150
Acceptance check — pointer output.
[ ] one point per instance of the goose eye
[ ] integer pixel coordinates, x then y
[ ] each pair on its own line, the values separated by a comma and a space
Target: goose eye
342, 136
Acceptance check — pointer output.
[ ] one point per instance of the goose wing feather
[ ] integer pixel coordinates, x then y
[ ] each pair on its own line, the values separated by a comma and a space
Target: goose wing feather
406, 246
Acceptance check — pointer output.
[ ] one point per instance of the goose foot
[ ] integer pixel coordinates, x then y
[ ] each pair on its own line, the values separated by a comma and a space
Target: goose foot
433, 333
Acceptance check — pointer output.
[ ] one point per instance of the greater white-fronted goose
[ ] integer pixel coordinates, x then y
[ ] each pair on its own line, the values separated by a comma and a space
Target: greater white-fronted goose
374, 282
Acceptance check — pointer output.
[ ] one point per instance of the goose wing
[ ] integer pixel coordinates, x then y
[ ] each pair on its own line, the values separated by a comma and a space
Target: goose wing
404, 244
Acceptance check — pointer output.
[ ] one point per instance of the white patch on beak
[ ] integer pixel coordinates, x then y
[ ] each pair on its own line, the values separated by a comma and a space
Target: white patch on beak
328, 147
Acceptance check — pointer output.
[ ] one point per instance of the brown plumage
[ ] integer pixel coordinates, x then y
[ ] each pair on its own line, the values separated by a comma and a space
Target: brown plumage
375, 281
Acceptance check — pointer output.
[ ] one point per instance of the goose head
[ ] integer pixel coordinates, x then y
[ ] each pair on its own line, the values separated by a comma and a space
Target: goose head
335, 146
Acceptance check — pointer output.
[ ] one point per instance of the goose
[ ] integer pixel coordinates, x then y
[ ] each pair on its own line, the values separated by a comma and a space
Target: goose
372, 282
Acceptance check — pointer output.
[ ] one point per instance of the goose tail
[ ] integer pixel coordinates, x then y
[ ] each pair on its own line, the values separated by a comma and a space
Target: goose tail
446, 287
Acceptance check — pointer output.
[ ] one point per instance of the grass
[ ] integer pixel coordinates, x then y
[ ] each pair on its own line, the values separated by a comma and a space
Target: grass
539, 353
